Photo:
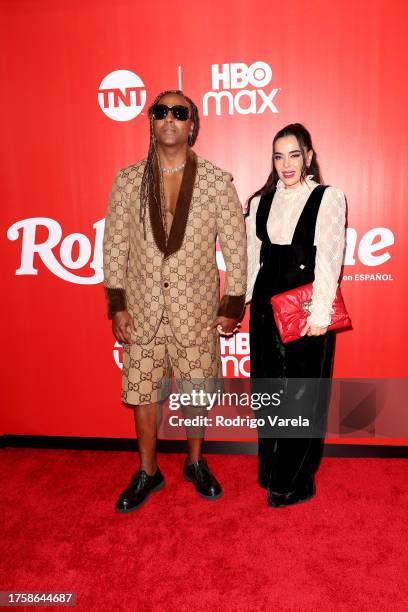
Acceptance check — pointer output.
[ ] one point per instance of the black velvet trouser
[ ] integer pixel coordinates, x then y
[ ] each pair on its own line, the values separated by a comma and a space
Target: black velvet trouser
284, 463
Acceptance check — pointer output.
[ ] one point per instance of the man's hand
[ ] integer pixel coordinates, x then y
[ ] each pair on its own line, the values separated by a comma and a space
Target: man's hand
121, 323
224, 325
312, 330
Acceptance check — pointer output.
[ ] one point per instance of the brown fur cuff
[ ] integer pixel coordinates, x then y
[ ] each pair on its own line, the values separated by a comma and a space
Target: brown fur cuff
231, 306
116, 300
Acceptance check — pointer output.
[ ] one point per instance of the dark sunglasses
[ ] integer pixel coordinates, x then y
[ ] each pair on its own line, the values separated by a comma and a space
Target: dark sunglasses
179, 112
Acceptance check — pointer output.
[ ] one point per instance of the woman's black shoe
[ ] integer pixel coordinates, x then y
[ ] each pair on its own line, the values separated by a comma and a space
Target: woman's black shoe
205, 483
139, 490
263, 480
302, 493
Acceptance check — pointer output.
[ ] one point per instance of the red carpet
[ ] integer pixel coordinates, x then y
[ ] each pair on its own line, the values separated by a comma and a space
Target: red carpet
344, 550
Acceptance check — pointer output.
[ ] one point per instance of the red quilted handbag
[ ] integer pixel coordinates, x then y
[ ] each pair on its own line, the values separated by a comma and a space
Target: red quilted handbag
291, 309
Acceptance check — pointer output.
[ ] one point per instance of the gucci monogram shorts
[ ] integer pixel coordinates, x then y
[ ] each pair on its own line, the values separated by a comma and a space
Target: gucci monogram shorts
147, 368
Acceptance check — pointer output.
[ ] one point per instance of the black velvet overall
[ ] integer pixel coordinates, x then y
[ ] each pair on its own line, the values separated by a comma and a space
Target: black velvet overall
286, 463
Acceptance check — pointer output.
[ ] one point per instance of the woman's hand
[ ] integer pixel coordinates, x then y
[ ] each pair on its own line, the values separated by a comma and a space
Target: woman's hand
312, 330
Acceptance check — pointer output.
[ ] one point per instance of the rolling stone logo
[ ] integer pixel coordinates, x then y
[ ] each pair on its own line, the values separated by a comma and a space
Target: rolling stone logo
230, 91
122, 95
42, 240
63, 255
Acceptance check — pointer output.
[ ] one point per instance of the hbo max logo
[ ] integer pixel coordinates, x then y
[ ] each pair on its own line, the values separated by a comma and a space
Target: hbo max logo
228, 78
122, 95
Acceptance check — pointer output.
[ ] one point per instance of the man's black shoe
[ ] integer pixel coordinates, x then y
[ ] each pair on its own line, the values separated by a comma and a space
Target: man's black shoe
205, 483
139, 490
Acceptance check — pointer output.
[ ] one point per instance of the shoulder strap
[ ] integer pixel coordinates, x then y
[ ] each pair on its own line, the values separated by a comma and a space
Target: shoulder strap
305, 229
262, 215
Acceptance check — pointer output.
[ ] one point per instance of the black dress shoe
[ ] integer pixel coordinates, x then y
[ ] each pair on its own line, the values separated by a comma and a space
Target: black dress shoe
139, 490
304, 491
205, 483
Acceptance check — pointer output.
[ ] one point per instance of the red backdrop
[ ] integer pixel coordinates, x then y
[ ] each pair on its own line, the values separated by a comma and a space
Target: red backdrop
336, 67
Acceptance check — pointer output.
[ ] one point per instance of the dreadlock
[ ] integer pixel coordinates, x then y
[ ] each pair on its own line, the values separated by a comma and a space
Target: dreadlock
152, 162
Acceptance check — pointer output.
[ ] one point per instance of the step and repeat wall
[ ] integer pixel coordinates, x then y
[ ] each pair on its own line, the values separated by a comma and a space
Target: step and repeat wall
77, 79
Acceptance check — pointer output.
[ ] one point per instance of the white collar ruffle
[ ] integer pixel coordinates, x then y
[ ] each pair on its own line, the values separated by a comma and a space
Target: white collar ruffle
307, 184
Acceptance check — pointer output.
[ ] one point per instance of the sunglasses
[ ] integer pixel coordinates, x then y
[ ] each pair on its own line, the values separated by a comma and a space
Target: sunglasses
179, 112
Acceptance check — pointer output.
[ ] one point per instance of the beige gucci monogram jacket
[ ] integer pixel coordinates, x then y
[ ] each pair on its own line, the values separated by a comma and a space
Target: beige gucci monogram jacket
143, 272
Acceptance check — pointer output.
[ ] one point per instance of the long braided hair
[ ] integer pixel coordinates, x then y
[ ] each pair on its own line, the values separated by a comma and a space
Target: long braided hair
152, 162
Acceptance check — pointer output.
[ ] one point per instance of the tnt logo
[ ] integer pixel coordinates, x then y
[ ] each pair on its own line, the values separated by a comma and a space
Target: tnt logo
122, 95
239, 76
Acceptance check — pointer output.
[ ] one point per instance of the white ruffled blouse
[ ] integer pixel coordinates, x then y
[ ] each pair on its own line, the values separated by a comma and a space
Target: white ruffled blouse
329, 240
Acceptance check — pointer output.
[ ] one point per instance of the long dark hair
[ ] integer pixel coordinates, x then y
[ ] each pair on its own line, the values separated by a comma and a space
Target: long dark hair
304, 139
147, 185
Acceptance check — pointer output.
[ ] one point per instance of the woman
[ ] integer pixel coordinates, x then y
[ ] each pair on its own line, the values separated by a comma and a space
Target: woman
296, 235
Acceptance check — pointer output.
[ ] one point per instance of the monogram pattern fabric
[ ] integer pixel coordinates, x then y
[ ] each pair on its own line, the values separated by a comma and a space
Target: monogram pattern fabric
146, 374
187, 281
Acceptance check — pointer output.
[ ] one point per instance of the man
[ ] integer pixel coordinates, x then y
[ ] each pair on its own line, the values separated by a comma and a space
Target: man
162, 283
